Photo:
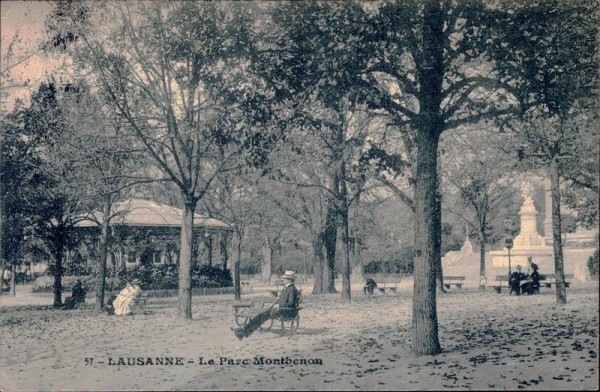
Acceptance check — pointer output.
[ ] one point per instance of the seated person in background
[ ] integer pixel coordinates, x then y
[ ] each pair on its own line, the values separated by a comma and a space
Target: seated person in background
369, 286
122, 304
533, 285
6, 275
515, 279
287, 303
77, 296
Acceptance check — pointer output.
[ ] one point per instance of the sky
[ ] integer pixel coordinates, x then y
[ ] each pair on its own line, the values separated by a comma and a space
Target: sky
25, 18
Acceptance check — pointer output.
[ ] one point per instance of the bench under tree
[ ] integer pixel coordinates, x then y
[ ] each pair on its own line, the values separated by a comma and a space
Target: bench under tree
545, 280
457, 281
385, 283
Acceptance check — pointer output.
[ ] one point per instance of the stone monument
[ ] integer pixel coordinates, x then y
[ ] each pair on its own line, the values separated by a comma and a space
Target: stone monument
528, 243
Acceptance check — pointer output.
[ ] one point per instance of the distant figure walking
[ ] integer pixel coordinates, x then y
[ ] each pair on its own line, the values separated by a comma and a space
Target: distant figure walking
369, 286
77, 296
288, 302
124, 301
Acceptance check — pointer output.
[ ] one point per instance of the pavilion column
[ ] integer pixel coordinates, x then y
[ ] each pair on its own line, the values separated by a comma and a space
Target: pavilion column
209, 248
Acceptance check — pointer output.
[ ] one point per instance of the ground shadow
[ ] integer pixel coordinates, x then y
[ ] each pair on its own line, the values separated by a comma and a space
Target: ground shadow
302, 331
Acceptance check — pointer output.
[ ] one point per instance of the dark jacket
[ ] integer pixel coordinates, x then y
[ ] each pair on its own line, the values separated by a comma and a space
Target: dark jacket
370, 283
78, 292
289, 298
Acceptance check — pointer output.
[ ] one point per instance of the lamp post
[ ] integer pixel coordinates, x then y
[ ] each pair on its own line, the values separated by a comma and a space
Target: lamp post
509, 244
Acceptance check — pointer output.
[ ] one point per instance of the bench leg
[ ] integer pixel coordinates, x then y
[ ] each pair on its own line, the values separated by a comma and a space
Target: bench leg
498, 290
459, 285
293, 327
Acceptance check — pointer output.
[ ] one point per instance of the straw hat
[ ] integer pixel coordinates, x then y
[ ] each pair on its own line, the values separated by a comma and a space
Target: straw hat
291, 275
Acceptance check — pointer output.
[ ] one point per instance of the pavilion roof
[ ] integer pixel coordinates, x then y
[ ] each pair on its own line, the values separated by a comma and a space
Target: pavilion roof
141, 212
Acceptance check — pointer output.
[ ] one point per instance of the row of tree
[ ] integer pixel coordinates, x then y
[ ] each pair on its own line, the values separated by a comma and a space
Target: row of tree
321, 109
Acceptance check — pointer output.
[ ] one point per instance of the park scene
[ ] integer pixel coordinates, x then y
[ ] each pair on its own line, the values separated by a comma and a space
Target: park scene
387, 195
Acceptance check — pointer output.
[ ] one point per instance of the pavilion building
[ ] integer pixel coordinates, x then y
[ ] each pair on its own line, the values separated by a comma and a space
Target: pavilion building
144, 232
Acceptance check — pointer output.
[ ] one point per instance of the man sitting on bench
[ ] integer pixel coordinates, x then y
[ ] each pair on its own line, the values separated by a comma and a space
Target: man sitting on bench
369, 286
515, 279
77, 296
288, 302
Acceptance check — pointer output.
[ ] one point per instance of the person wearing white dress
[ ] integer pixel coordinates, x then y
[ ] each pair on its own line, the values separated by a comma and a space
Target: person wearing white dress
122, 304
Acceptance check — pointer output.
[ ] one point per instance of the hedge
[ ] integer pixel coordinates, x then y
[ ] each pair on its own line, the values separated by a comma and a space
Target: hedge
155, 277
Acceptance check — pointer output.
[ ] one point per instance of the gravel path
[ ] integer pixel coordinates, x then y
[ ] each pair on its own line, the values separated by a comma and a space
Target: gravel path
490, 341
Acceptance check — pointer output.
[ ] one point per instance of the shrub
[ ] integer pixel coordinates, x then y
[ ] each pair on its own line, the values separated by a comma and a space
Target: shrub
154, 277
211, 277
45, 284
166, 276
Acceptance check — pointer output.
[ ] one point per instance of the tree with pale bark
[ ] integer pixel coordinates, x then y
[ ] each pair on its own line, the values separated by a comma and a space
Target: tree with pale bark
178, 74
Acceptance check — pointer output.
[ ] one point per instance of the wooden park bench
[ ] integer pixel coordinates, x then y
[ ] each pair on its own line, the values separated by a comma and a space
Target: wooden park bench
501, 281
246, 310
141, 301
545, 280
549, 279
453, 280
388, 282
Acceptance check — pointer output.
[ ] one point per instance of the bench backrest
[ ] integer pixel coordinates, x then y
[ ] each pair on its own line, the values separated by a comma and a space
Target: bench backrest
501, 278
265, 300
384, 278
454, 278
553, 276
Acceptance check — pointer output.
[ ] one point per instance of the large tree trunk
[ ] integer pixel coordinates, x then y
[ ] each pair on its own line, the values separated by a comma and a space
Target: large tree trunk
330, 238
59, 249
102, 257
424, 317
185, 260
318, 264
559, 269
346, 287
58, 271
425, 340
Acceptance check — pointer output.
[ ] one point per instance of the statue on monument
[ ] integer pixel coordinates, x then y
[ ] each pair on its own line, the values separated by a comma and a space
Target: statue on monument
527, 190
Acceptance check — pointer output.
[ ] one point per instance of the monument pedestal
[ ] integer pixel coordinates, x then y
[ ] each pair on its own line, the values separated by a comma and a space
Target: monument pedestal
528, 243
